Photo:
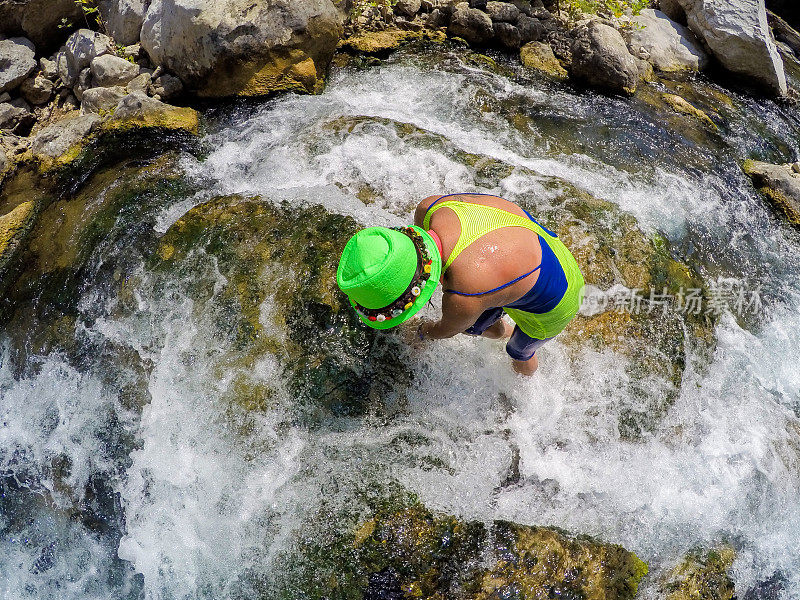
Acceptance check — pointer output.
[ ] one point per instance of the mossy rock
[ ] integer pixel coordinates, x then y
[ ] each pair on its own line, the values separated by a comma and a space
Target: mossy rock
285, 258
414, 553
701, 575
382, 43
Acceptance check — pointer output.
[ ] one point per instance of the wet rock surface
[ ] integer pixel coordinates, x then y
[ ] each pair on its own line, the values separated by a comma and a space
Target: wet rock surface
780, 184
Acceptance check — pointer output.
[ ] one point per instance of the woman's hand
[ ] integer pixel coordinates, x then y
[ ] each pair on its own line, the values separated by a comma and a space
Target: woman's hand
413, 332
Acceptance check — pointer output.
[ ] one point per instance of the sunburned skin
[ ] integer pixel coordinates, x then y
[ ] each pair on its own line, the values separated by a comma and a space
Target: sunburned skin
494, 259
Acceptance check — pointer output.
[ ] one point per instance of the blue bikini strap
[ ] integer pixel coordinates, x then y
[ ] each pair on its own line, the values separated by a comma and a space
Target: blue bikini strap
497, 289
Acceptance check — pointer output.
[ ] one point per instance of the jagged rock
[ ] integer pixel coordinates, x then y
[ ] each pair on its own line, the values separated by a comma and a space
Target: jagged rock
530, 29
539, 57
601, 59
123, 19
220, 50
780, 184
503, 12
738, 35
83, 47
167, 86
60, 142
140, 83
16, 117
37, 90
665, 44
100, 99
472, 24
109, 70
38, 20
16, 62
408, 8
701, 575
83, 83
508, 35
48, 68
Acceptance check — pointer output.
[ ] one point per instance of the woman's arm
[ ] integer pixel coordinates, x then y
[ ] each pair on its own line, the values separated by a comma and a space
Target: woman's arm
459, 313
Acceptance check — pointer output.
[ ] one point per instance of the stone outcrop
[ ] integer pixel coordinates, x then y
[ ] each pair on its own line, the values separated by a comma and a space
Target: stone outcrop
38, 20
235, 48
471, 24
780, 184
600, 58
16, 62
123, 19
738, 35
665, 44
14, 226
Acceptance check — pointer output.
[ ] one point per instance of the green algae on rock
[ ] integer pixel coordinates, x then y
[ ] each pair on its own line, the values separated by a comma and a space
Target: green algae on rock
13, 228
279, 264
381, 43
701, 575
538, 56
420, 554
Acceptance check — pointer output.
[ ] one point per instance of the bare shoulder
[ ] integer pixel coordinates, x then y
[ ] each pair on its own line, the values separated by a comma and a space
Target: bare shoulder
422, 208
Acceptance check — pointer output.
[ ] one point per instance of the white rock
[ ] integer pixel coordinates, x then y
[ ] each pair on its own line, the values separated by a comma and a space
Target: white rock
16, 62
84, 46
101, 98
738, 35
109, 70
124, 19
665, 44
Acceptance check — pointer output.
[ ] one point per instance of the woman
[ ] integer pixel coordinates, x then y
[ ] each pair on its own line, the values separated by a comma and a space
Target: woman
491, 256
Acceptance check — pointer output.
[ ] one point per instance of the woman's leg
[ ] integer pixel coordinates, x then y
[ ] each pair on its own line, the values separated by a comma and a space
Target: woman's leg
522, 348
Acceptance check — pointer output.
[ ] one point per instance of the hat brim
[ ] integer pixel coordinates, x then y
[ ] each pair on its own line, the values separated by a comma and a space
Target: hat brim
425, 293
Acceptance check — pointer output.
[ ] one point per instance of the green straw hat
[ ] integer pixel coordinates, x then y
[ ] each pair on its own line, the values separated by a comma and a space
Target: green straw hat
389, 274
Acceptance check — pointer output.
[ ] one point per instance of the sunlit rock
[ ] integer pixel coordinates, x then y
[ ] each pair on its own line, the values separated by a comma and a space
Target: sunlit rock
701, 574
780, 184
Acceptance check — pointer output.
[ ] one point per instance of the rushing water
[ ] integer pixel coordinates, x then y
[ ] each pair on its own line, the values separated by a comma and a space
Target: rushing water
136, 475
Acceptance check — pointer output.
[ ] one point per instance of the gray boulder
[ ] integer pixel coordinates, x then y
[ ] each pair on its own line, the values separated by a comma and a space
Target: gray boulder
48, 68
502, 12
409, 8
16, 62
229, 48
37, 90
665, 44
101, 98
530, 29
472, 24
140, 83
123, 19
508, 35
167, 86
600, 58
16, 117
780, 184
38, 20
109, 70
81, 49
738, 35
56, 139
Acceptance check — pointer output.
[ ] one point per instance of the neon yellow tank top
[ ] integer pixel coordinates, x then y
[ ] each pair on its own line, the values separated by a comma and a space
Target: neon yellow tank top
476, 221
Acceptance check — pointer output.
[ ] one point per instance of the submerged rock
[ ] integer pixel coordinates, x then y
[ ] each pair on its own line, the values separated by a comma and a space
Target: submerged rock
230, 49
682, 106
780, 184
738, 35
414, 553
665, 44
701, 576
601, 59
14, 226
